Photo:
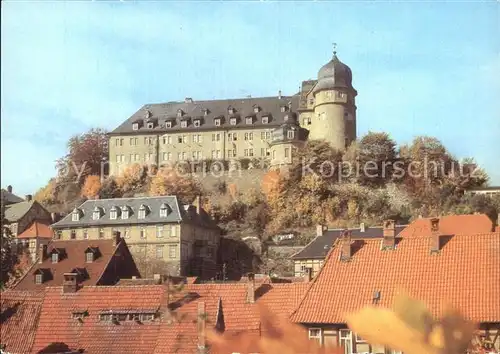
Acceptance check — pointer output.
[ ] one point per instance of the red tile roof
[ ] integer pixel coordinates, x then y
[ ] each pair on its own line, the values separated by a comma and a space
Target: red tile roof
450, 225
20, 312
465, 274
75, 258
37, 229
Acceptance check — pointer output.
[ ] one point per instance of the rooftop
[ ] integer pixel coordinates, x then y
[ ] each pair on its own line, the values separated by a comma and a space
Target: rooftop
37, 229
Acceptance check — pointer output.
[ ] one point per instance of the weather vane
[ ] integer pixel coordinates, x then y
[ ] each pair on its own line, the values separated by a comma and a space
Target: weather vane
334, 48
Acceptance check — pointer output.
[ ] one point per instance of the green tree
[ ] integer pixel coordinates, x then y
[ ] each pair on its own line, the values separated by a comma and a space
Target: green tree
7, 256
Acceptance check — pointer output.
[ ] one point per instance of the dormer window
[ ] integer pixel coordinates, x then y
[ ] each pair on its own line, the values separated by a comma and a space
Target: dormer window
217, 122
184, 124
89, 257
135, 126
232, 121
97, 213
125, 212
75, 216
230, 110
168, 124
179, 113
143, 211
39, 278
148, 113
55, 257
290, 134
91, 254
151, 125
206, 112
286, 117
283, 108
249, 120
197, 123
113, 213
256, 109
265, 120
42, 275
165, 210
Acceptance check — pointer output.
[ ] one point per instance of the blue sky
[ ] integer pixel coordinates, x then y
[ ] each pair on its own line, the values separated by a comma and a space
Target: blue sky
420, 68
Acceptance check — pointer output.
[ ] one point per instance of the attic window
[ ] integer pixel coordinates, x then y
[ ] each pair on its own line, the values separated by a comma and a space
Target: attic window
96, 215
265, 120
230, 110
125, 212
249, 120
75, 216
205, 112
123, 317
283, 108
113, 213
164, 210
290, 134
151, 125
256, 109
143, 210
135, 126
89, 257
184, 124
217, 122
232, 121
168, 124
196, 123
179, 113
39, 278
55, 257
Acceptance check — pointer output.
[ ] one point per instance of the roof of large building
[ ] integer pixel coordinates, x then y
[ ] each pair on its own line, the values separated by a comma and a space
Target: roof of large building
71, 257
226, 307
319, 247
175, 212
334, 75
20, 312
37, 229
9, 197
16, 211
465, 273
207, 111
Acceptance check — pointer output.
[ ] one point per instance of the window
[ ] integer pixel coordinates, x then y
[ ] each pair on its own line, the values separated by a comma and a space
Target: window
89, 257
179, 113
346, 340
55, 257
73, 234
85, 234
307, 121
179, 139
256, 109
197, 138
173, 230
217, 122
290, 134
232, 121
287, 152
75, 216
151, 125
167, 139
185, 139
96, 214
159, 252
230, 110
159, 232
38, 279
196, 123
143, 233
113, 214
264, 152
249, 120
315, 334
216, 137
168, 124
101, 233
249, 136
184, 124
126, 233
179, 156
135, 126
283, 108
172, 251
143, 210
125, 212
265, 120
58, 235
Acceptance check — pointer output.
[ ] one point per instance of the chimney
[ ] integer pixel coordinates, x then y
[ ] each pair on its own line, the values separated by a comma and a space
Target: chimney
320, 229
42, 255
279, 94
116, 238
188, 100
435, 236
251, 288
69, 283
9, 189
134, 277
309, 276
389, 240
197, 204
362, 227
201, 324
346, 248
157, 278
28, 197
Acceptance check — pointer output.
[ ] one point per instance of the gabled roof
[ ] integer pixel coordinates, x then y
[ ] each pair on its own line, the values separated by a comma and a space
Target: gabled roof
14, 212
465, 274
37, 229
319, 247
8, 197
74, 257
20, 312
216, 109
450, 225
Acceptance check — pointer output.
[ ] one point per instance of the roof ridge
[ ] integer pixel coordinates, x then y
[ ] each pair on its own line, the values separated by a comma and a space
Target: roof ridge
220, 99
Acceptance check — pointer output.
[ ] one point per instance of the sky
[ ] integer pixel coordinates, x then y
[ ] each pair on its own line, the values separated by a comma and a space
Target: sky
420, 68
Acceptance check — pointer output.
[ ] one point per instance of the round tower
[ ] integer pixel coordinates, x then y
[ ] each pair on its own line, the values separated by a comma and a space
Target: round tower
334, 108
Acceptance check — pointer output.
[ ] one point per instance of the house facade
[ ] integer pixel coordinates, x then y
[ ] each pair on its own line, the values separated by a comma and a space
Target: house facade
33, 237
20, 215
181, 239
254, 128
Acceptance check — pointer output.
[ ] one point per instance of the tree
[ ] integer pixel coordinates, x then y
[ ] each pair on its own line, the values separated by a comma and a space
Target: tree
91, 187
109, 189
133, 178
168, 182
46, 195
87, 155
7, 256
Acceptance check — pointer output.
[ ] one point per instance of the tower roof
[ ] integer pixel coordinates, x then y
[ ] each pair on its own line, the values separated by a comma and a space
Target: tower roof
334, 74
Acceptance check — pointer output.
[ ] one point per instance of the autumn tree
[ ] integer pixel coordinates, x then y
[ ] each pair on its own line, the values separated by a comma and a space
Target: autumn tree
169, 182
47, 194
91, 187
87, 155
7, 256
109, 189
133, 178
